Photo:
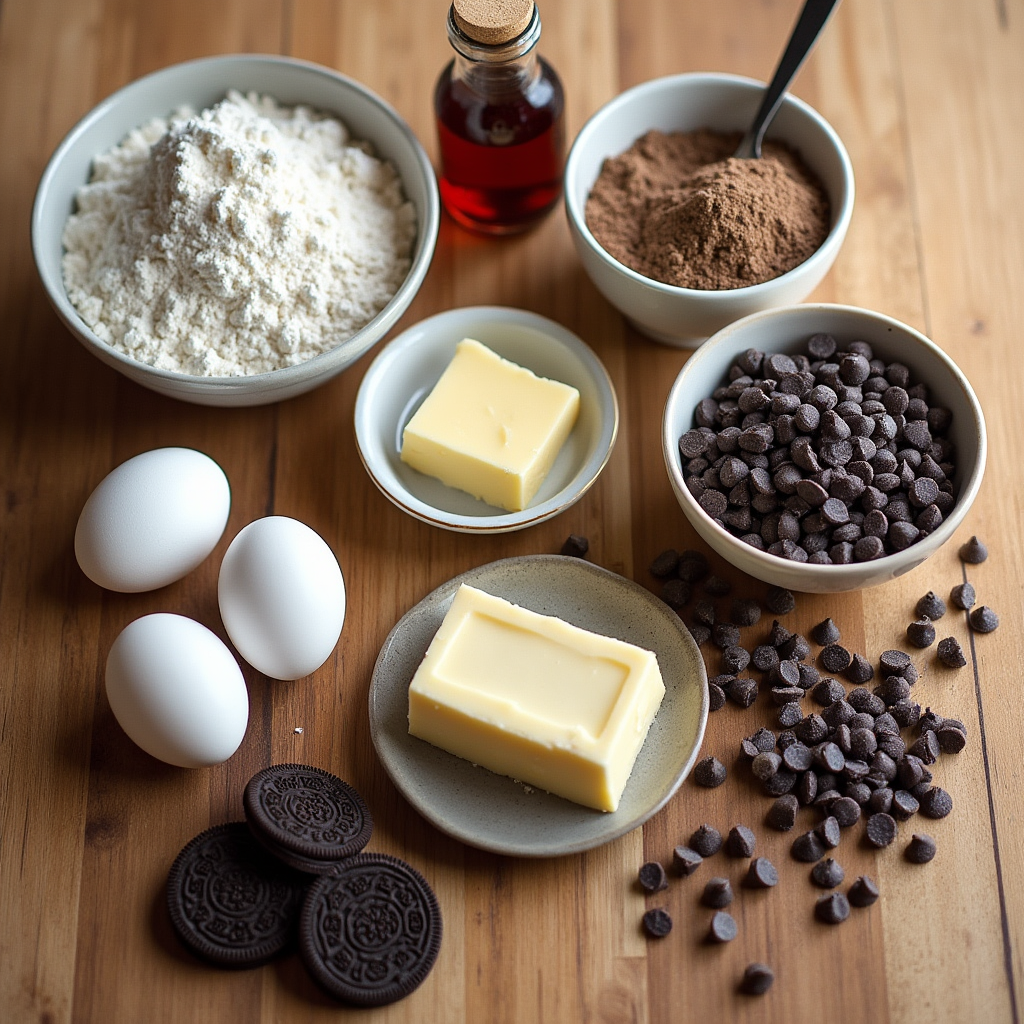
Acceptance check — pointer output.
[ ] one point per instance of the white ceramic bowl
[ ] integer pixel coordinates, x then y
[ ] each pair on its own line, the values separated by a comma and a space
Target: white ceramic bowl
200, 84
785, 330
408, 367
687, 316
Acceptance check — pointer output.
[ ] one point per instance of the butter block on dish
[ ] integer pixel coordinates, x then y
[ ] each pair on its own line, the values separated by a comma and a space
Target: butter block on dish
490, 428
535, 698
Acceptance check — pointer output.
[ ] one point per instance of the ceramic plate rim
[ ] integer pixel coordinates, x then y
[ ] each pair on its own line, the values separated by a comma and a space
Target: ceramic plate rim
434, 605
585, 476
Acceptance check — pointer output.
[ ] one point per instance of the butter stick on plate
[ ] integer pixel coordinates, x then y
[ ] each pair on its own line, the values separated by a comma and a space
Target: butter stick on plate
535, 698
490, 428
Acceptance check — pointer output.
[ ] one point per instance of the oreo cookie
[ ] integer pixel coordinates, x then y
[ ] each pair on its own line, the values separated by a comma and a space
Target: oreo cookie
306, 816
369, 933
230, 903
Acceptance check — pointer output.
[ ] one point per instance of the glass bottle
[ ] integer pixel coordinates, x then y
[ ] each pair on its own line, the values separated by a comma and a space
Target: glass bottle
499, 109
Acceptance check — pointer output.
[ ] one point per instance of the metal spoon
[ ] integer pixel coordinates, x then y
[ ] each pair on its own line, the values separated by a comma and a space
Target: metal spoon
808, 27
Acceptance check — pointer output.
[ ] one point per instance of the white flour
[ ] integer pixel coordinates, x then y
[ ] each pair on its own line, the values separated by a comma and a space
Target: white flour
237, 241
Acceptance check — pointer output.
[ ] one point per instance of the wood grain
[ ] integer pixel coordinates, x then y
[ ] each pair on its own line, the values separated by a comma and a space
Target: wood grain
925, 97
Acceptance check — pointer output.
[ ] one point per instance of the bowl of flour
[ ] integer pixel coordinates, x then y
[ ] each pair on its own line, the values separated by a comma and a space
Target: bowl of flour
235, 230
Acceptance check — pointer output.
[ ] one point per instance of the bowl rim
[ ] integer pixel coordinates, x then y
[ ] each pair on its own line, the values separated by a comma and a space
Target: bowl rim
824, 251
500, 522
969, 488
287, 376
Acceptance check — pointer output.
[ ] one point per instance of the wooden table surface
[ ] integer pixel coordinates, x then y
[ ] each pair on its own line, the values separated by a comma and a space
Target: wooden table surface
928, 96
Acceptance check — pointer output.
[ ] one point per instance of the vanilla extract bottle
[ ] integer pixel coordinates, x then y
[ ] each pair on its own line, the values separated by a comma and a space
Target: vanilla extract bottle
499, 109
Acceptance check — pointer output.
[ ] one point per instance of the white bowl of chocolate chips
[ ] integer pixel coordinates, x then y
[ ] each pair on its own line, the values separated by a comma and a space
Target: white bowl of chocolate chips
823, 448
680, 238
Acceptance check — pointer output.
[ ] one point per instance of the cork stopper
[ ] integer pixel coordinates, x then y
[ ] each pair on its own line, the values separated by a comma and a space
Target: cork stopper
492, 22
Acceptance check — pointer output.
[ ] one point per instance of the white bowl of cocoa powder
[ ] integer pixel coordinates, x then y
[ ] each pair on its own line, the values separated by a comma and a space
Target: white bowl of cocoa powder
682, 238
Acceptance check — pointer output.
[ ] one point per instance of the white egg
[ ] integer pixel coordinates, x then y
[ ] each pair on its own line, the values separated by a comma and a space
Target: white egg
152, 520
177, 690
282, 597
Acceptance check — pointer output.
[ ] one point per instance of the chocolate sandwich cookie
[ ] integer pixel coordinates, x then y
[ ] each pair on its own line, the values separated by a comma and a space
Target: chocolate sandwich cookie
306, 816
230, 903
370, 932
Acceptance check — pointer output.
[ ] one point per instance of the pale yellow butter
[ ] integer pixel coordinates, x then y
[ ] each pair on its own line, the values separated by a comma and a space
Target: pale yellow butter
490, 428
535, 698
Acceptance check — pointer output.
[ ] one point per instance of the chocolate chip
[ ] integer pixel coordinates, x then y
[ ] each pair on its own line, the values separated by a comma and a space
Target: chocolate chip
904, 805
746, 612
963, 596
926, 747
931, 606
807, 847
757, 979
825, 633
709, 772
950, 653
828, 691
983, 619
827, 874
921, 633
779, 601
723, 927
765, 765
973, 552
881, 829
717, 893
707, 841
675, 593
716, 697
657, 923
764, 658
880, 801
741, 840
811, 729
715, 586
952, 739
693, 566
742, 690
846, 811
859, 670
834, 908
828, 832
576, 546
652, 877
665, 564
782, 814
834, 658
701, 634
761, 874
686, 860
920, 849
936, 803
863, 892
735, 659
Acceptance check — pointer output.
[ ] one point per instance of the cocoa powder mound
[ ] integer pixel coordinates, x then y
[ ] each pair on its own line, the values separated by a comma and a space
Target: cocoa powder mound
679, 208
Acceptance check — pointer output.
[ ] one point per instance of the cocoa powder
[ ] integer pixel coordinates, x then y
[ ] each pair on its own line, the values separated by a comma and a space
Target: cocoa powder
679, 208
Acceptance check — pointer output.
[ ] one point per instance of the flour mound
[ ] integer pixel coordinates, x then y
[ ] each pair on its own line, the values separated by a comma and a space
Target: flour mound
237, 241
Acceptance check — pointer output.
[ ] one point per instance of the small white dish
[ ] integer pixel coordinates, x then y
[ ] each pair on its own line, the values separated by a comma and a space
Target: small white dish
408, 367
498, 814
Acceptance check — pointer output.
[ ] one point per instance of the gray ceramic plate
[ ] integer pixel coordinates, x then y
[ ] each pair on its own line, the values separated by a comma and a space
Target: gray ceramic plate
493, 812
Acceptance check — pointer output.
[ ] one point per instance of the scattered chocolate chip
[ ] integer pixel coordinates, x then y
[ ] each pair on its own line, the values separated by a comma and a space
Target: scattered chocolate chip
931, 606
936, 803
859, 670
827, 874
717, 893
782, 814
863, 892
921, 633
825, 633
983, 619
828, 831
764, 658
834, 658
741, 841
757, 979
576, 546
700, 633
652, 877
808, 848
675, 593
950, 653
704, 613
723, 927
973, 552
709, 772
779, 601
693, 566
742, 691
715, 586
881, 829
665, 564
893, 663
833, 908
846, 811
761, 874
707, 841
746, 611
686, 860
828, 691
952, 739
920, 849
716, 697
963, 596
657, 922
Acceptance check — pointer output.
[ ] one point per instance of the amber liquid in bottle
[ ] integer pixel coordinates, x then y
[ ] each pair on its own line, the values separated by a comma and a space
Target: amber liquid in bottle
502, 142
